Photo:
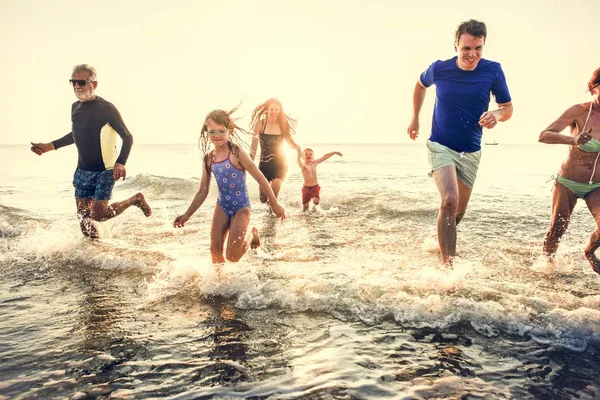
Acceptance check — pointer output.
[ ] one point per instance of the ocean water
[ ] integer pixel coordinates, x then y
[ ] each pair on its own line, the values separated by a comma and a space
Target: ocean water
345, 302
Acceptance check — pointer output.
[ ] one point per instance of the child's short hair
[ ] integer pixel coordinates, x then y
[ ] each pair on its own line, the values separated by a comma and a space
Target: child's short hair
309, 149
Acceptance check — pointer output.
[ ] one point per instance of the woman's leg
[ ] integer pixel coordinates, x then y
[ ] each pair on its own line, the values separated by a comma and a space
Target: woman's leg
593, 202
563, 203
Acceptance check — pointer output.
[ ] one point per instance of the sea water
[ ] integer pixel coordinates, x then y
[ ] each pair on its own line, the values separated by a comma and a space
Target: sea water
346, 301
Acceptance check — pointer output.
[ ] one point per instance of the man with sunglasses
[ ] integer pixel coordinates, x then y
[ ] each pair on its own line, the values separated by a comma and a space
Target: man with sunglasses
95, 126
463, 86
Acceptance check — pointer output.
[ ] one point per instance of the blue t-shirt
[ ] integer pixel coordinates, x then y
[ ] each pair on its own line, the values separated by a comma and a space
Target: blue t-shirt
460, 99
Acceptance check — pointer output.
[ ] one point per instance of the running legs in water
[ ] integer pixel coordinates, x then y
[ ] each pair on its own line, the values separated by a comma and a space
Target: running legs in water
590, 250
593, 202
90, 210
454, 196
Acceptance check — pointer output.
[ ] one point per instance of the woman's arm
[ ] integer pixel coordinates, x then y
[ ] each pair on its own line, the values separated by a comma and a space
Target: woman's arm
293, 144
552, 135
254, 143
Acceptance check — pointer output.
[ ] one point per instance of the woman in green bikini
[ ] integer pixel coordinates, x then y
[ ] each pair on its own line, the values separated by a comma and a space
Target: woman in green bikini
579, 175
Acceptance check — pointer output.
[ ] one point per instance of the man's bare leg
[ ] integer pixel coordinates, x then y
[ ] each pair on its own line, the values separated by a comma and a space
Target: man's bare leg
102, 211
86, 223
447, 184
464, 195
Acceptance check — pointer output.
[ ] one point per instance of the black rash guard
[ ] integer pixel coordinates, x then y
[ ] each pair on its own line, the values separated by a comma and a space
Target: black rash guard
96, 124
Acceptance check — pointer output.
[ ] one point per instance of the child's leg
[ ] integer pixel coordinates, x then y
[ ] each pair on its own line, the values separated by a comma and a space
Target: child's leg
237, 243
218, 231
305, 198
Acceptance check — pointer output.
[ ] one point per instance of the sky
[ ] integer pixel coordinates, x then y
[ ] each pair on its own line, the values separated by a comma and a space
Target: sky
345, 69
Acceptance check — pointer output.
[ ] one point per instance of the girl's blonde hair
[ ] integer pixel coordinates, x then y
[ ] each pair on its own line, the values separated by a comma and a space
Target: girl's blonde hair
224, 118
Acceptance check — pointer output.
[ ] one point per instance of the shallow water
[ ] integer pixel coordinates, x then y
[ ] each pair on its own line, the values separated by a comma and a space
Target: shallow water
347, 301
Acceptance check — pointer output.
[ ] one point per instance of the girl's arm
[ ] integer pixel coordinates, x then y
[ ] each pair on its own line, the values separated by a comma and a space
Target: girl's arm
197, 201
253, 170
326, 156
552, 135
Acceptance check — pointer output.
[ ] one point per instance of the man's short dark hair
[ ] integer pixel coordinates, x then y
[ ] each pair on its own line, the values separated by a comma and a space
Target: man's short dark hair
472, 27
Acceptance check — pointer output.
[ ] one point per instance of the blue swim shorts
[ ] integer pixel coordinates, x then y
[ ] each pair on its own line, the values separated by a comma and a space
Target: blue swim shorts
97, 185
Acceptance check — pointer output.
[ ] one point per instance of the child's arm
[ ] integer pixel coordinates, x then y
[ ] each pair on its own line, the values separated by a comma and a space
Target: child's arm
326, 156
197, 201
253, 170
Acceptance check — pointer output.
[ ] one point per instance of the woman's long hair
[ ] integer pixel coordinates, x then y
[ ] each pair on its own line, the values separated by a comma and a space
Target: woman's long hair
224, 118
595, 80
286, 124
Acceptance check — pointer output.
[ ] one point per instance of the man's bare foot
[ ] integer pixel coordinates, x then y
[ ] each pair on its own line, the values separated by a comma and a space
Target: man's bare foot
140, 202
448, 264
594, 262
88, 228
255, 242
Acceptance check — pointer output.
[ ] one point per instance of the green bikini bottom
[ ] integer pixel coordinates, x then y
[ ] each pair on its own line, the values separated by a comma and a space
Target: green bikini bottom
580, 190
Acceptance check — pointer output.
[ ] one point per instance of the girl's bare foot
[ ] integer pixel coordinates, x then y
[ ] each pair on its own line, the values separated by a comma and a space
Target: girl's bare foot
255, 242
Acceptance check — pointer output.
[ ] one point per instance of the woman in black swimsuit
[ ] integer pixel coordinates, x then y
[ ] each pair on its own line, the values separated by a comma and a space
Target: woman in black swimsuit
271, 127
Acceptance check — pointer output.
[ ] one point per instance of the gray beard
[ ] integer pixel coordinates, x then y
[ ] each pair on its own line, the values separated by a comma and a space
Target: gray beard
84, 96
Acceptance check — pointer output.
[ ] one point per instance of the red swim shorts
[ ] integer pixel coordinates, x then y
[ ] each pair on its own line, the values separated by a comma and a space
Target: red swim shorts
310, 192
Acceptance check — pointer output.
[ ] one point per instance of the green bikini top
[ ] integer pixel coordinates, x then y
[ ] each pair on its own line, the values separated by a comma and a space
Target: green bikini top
592, 145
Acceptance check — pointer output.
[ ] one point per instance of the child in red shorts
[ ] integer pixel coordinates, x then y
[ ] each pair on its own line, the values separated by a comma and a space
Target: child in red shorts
308, 165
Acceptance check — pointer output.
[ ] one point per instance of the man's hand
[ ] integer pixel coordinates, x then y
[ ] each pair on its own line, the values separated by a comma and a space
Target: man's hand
488, 120
41, 148
413, 130
119, 171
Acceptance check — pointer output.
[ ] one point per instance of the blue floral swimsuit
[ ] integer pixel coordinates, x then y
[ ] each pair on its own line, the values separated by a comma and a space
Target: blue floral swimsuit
231, 181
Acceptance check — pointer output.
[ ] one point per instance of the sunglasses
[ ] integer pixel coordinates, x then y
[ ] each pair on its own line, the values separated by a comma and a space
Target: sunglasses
80, 82
220, 132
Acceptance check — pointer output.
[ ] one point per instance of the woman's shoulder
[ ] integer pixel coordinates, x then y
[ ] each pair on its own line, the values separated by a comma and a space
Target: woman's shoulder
577, 110
260, 126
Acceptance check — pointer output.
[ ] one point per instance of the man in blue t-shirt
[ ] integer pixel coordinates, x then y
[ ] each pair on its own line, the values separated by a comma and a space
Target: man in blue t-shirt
95, 125
463, 85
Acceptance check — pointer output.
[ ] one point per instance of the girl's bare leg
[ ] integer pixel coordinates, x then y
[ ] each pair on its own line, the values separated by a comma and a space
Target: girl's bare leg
218, 232
237, 243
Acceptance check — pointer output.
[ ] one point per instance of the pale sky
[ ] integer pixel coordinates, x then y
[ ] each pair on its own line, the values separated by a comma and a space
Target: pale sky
345, 69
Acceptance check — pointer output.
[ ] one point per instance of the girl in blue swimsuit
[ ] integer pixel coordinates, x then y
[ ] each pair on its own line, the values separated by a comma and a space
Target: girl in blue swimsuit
228, 162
